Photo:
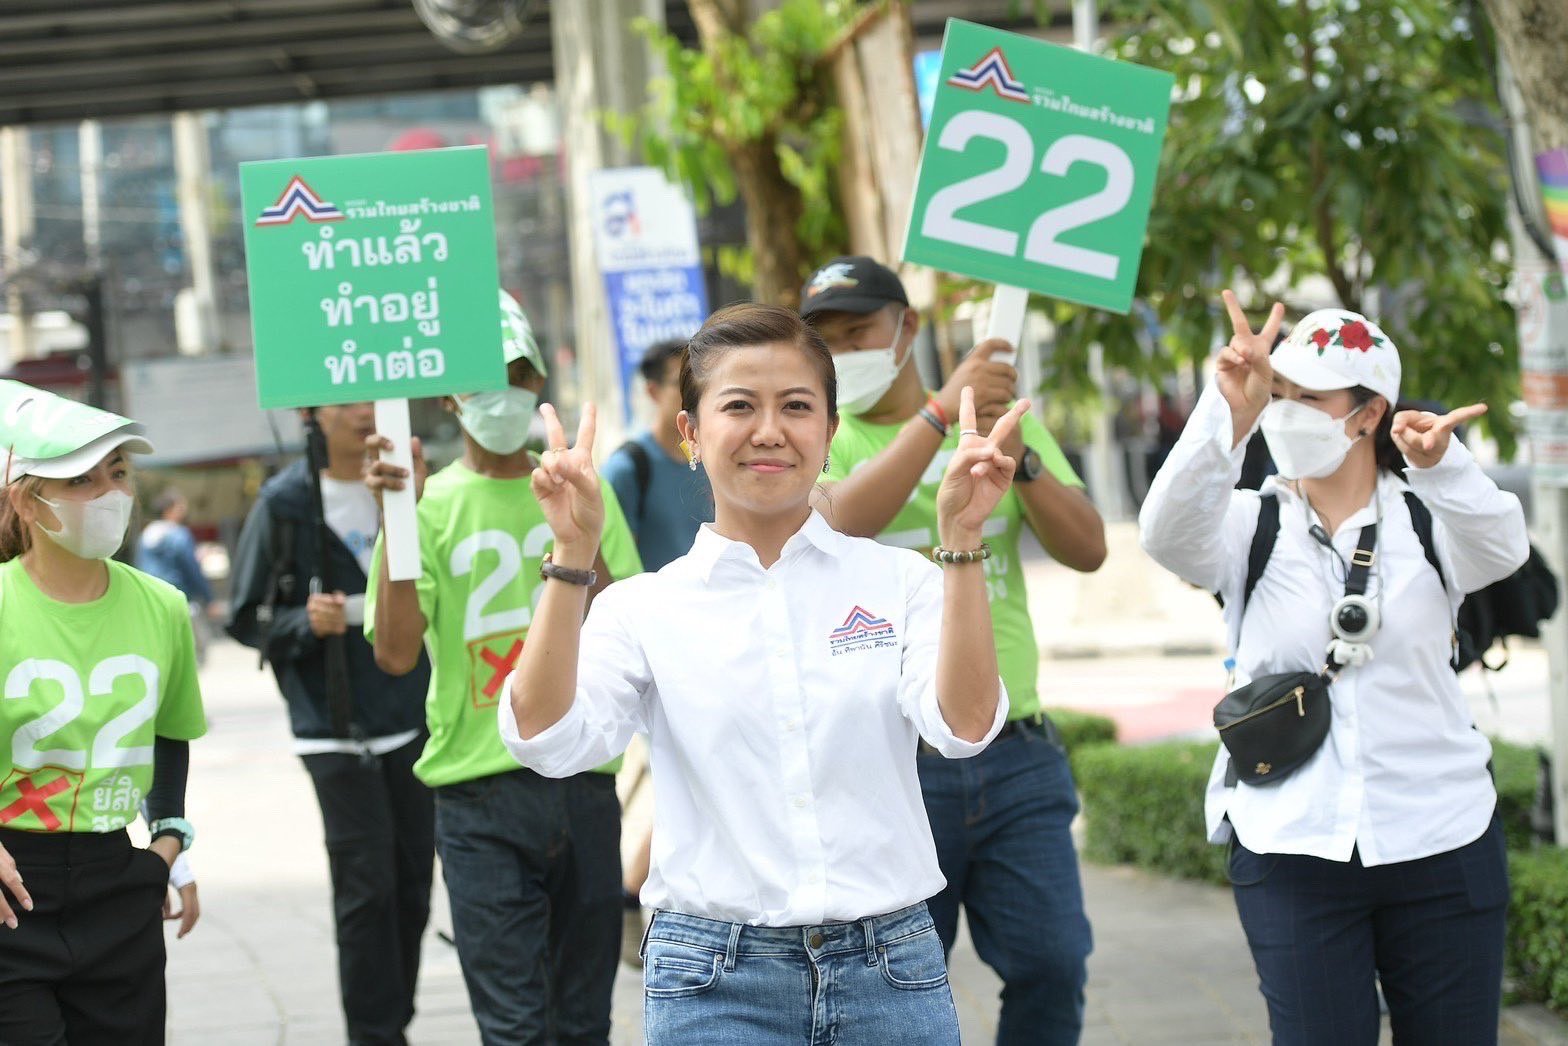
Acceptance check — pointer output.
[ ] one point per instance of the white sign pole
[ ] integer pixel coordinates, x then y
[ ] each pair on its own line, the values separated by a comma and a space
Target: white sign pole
397, 507
1008, 308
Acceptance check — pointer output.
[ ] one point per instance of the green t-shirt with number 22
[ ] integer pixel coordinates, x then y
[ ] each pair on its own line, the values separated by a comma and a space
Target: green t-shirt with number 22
481, 541
87, 686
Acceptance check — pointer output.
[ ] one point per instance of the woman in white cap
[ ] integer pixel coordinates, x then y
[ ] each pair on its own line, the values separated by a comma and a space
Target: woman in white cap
1380, 857
98, 666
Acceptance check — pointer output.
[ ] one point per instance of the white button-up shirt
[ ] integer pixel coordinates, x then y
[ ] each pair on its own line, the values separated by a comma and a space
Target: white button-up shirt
782, 708
1403, 771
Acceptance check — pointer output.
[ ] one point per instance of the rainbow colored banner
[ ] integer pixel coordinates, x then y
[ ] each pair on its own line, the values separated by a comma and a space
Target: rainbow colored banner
1553, 169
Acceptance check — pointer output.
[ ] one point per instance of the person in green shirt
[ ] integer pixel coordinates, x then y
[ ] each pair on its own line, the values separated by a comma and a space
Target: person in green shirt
98, 664
532, 865
1001, 820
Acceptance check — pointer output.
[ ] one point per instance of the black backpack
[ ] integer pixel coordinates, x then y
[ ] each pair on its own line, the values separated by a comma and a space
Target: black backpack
1514, 606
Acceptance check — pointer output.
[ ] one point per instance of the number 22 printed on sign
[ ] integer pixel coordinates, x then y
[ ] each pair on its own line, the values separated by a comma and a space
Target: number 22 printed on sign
1039, 170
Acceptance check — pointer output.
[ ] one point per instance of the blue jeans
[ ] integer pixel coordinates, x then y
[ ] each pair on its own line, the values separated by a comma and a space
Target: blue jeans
1001, 822
874, 982
533, 873
1430, 930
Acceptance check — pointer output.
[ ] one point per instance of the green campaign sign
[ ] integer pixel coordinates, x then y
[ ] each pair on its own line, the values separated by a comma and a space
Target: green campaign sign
372, 277
1038, 171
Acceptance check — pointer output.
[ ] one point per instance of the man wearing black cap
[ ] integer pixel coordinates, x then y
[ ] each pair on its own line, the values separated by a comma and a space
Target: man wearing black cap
1001, 819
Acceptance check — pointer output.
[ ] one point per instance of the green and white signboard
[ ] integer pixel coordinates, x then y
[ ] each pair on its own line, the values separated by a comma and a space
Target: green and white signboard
1038, 171
372, 277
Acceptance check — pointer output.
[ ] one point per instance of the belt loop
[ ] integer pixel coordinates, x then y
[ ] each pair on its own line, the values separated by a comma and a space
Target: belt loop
729, 951
642, 947
869, 925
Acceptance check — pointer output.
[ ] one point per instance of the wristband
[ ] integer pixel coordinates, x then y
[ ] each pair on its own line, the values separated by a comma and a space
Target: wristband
947, 557
585, 578
929, 416
935, 407
175, 826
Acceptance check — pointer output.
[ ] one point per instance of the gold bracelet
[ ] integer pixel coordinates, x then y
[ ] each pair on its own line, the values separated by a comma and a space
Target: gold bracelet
947, 557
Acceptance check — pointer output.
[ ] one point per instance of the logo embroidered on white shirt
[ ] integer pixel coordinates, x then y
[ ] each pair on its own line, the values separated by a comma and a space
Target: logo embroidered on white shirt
862, 630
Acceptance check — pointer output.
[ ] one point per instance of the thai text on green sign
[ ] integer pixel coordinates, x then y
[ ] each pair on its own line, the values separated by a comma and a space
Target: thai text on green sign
372, 277
1039, 168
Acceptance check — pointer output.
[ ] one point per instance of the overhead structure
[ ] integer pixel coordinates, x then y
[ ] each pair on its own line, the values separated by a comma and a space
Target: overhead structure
62, 61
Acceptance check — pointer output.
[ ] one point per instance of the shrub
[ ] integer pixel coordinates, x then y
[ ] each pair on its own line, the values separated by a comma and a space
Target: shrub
1537, 954
1079, 729
1144, 806
1514, 768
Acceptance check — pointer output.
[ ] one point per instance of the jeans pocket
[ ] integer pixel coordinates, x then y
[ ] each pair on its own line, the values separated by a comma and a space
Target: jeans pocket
672, 971
1245, 868
914, 963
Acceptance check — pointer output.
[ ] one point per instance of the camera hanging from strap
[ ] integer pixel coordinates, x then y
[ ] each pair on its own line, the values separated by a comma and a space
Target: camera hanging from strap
1355, 618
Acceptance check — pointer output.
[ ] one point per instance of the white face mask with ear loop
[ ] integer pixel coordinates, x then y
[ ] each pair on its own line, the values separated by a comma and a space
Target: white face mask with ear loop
91, 529
498, 421
1306, 443
865, 375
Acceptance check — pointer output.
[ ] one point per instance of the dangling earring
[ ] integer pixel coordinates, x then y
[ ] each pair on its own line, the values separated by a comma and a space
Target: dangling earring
691, 454
827, 463
691, 463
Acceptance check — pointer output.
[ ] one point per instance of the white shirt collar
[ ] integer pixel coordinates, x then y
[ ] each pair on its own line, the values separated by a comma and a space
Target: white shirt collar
710, 546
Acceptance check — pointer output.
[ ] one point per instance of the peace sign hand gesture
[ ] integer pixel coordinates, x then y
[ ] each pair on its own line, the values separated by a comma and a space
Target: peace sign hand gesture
977, 476
567, 488
1243, 371
1422, 437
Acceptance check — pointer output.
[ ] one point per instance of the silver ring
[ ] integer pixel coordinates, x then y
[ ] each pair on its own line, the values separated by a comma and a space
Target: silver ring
969, 432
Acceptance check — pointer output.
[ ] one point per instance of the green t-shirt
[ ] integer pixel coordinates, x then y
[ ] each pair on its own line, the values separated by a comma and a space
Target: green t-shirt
1017, 655
481, 541
87, 687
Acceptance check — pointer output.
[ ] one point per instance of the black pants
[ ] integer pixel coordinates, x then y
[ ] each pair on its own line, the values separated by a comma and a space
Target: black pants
533, 872
85, 966
1431, 930
380, 833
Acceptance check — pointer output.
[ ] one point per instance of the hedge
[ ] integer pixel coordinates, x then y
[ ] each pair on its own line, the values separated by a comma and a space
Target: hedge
1144, 806
1537, 958
1079, 729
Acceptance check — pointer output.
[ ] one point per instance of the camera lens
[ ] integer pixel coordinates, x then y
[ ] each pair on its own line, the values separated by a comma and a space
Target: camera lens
1353, 619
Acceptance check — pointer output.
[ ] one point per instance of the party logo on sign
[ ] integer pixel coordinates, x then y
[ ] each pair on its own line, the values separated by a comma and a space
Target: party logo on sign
299, 201
861, 630
991, 71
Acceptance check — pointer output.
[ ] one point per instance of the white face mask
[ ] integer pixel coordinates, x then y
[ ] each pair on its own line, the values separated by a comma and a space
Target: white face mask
91, 529
498, 421
864, 376
1304, 442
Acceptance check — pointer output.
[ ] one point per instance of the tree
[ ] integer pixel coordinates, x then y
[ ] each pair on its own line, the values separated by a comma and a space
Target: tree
1348, 138
1534, 35
751, 112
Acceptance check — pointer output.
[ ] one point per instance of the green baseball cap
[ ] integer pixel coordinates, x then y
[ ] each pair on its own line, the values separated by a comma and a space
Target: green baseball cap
517, 335
50, 436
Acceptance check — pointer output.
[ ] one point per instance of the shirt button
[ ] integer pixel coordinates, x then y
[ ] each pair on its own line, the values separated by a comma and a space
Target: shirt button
770, 584
816, 940
790, 724
800, 800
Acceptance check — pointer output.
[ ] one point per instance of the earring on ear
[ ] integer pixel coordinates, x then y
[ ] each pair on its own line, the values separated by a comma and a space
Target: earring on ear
692, 464
827, 463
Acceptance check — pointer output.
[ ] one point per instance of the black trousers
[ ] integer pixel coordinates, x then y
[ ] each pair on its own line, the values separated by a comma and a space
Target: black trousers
379, 822
1431, 930
85, 966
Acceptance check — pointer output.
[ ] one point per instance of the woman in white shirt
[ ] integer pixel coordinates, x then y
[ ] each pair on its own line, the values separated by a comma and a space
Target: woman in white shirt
1380, 858
783, 673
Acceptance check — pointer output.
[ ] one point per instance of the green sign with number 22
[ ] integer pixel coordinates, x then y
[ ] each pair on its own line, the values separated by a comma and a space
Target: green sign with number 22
1038, 171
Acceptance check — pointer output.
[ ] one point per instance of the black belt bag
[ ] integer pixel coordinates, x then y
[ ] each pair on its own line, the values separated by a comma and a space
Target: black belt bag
1273, 725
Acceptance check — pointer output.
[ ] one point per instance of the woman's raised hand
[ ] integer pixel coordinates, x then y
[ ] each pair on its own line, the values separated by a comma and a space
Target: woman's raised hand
567, 486
977, 476
1422, 437
1243, 371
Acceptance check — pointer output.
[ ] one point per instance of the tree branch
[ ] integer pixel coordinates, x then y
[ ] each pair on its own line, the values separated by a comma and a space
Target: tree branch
1322, 212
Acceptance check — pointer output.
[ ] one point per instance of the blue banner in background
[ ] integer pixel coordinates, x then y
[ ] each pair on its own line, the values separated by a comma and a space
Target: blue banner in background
651, 305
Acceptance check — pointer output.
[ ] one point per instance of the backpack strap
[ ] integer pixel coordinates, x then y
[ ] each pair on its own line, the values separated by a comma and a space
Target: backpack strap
644, 470
1263, 539
282, 576
1421, 521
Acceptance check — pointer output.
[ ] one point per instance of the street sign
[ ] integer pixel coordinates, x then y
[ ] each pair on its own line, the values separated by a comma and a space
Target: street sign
1039, 168
372, 277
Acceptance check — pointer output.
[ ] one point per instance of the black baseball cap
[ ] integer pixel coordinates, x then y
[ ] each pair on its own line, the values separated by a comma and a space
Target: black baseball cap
851, 283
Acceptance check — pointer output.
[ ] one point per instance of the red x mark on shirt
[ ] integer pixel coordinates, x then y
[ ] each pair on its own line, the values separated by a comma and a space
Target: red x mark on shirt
502, 666
37, 800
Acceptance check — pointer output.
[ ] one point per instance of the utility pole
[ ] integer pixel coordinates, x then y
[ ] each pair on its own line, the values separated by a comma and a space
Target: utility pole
1541, 303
